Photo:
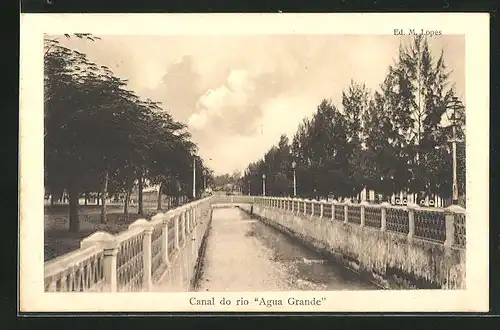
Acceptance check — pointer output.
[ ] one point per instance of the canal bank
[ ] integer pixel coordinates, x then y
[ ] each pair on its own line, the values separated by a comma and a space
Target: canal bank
244, 254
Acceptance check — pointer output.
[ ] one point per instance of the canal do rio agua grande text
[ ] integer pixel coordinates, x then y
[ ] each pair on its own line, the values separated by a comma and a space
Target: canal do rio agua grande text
258, 301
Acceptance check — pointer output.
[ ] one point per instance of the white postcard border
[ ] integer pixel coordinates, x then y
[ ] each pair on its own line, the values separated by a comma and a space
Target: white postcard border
474, 26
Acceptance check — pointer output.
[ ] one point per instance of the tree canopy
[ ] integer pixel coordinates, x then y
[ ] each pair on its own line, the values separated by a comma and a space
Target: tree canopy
102, 137
396, 138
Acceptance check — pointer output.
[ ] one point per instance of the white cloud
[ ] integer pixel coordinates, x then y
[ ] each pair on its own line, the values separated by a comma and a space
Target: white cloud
231, 96
198, 120
239, 93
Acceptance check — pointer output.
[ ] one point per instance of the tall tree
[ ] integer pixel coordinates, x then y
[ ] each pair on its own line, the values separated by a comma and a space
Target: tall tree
355, 105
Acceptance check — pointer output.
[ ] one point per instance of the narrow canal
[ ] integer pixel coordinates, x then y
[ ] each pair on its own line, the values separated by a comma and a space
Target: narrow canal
243, 254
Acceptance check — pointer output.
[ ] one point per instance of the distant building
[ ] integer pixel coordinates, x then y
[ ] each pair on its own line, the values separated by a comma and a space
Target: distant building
149, 194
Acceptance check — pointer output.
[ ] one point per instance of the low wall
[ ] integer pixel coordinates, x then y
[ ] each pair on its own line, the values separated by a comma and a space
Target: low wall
184, 266
157, 254
392, 260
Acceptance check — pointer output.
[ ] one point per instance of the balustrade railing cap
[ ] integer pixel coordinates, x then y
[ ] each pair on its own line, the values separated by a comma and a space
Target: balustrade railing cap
158, 217
364, 203
100, 237
412, 206
385, 204
140, 223
455, 209
169, 213
71, 259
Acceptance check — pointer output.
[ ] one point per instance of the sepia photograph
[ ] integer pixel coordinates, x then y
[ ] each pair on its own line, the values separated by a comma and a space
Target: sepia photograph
290, 168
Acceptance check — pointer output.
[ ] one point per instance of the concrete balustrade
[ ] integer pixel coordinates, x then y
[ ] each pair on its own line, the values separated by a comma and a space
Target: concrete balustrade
397, 246
138, 259
404, 246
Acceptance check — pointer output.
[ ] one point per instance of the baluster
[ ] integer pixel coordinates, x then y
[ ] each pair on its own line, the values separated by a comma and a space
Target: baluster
87, 284
146, 250
64, 283
71, 280
77, 279
52, 285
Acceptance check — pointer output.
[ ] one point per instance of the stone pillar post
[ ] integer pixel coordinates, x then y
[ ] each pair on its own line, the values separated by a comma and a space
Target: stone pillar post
346, 212
146, 250
383, 216
411, 221
363, 205
164, 239
321, 207
107, 241
450, 212
183, 231
177, 229
163, 219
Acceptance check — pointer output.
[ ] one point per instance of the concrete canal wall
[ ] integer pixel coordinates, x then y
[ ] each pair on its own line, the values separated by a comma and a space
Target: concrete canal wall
389, 259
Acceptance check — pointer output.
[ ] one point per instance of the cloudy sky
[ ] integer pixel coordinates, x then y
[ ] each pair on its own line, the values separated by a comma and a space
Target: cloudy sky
238, 94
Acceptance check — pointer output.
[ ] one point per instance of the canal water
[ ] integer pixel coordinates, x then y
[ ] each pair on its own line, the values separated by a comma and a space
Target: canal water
244, 254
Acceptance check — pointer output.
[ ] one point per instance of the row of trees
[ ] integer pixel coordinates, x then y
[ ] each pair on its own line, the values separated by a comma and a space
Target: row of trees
395, 139
101, 137
227, 182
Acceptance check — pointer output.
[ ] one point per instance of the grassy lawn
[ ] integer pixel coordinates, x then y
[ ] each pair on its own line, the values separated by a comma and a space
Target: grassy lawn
57, 238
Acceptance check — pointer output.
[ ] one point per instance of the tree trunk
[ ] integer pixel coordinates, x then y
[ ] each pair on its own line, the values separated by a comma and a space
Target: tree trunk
103, 198
51, 199
98, 197
159, 197
74, 222
86, 198
127, 199
140, 186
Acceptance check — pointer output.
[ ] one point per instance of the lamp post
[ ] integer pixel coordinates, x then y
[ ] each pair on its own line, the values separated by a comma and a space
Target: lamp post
247, 175
456, 104
294, 164
263, 185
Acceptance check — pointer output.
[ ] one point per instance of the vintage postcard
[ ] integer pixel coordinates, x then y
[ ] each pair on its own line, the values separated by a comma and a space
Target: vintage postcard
254, 162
